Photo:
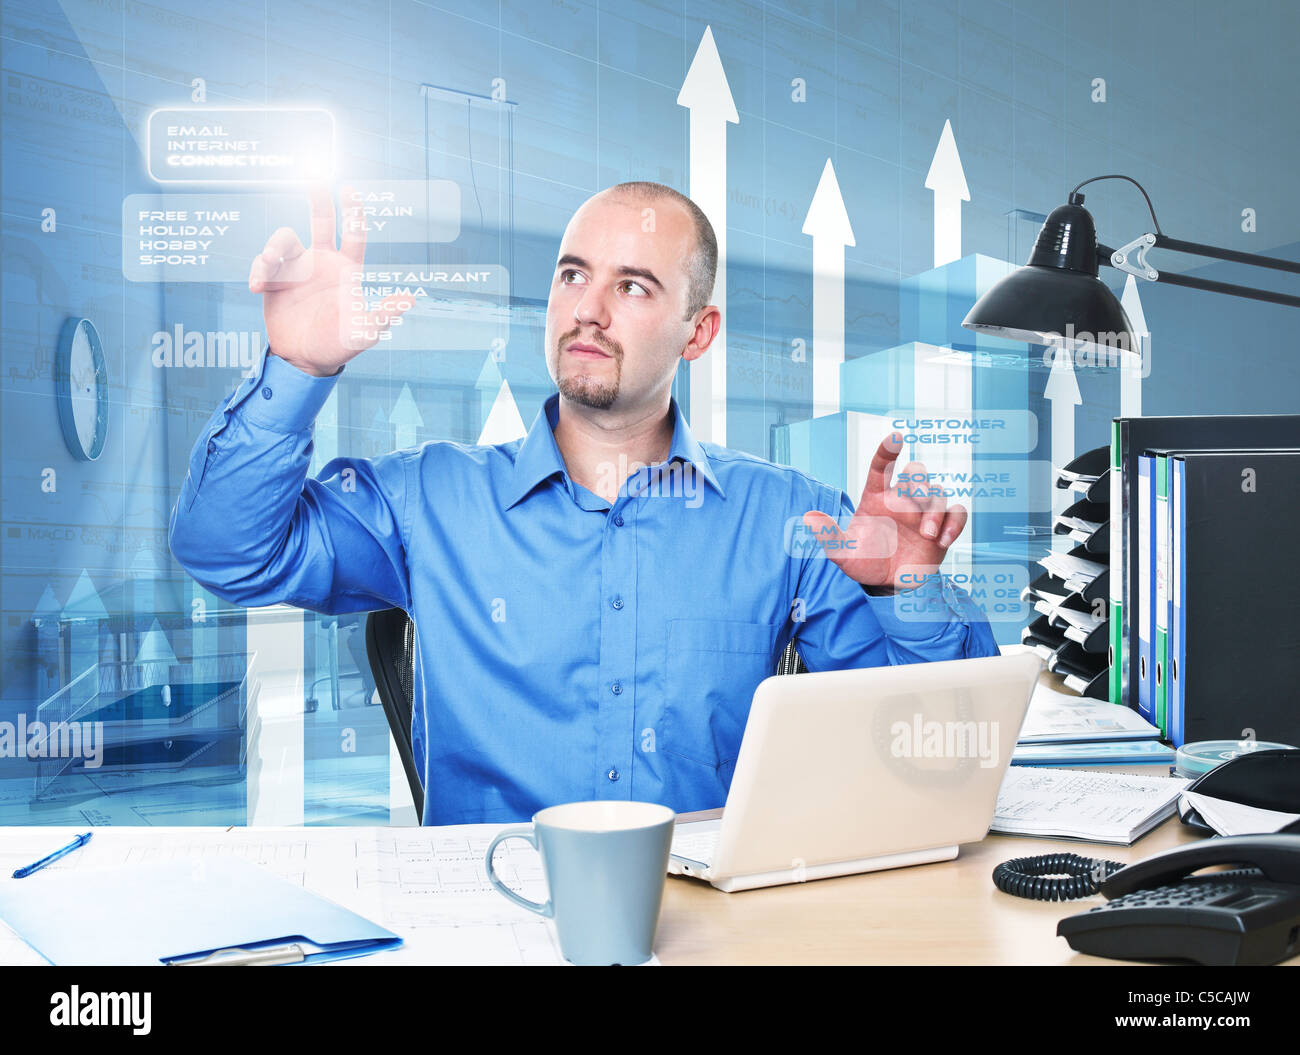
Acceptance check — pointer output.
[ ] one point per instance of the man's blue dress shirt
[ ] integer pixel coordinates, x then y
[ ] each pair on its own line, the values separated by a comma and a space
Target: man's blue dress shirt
567, 649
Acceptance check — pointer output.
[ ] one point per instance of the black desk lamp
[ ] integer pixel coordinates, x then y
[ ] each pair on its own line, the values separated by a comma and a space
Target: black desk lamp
1057, 295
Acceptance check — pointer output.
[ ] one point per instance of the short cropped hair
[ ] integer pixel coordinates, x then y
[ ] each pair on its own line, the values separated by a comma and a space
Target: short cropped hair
703, 265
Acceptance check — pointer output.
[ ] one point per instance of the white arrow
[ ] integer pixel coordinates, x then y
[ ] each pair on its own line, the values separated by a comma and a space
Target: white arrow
405, 418
154, 647
86, 613
45, 619
504, 422
501, 419
1063, 394
1130, 371
948, 182
155, 659
706, 94
828, 224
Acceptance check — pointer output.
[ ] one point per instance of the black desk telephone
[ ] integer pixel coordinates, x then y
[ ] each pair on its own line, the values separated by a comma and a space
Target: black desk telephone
1158, 910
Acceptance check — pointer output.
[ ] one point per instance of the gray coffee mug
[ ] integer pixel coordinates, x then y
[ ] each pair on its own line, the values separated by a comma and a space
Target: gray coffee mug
605, 865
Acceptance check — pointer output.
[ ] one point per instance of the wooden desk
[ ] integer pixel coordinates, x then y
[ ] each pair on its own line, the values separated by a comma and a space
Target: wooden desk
945, 913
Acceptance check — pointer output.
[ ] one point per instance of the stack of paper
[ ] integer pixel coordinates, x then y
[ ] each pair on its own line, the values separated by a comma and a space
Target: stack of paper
1096, 807
1235, 818
1061, 718
1066, 730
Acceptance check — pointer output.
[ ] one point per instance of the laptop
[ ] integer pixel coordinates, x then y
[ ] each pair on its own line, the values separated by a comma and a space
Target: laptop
853, 771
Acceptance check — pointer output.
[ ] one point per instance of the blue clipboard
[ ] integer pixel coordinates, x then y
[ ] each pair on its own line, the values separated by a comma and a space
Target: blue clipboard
177, 912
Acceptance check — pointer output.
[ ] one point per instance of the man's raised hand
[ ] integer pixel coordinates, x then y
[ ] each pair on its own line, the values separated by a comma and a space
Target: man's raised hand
899, 533
312, 320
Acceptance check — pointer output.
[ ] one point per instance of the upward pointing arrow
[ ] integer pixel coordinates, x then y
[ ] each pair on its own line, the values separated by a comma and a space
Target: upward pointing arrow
84, 602
154, 647
948, 182
503, 422
707, 95
155, 660
828, 224
1062, 386
705, 91
405, 418
1063, 393
45, 618
1130, 374
46, 608
86, 612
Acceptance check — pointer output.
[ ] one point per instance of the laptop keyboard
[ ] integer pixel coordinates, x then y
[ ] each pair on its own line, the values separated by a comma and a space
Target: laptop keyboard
696, 846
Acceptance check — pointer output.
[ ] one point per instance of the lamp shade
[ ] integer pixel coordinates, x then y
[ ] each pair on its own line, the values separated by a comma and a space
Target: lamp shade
1056, 297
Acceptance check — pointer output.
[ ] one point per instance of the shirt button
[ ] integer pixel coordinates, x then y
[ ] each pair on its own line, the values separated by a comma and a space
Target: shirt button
617, 604
266, 393
212, 446
618, 519
612, 774
617, 688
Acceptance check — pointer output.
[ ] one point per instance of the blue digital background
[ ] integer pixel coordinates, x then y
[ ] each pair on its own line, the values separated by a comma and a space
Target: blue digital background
1199, 106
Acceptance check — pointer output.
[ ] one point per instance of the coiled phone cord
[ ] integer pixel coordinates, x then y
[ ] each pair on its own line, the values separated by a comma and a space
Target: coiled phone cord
1053, 877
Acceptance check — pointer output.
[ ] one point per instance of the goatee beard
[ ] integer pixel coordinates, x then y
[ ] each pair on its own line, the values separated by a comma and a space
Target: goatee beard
585, 390
582, 389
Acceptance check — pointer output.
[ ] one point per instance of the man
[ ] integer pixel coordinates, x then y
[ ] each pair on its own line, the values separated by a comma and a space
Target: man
596, 603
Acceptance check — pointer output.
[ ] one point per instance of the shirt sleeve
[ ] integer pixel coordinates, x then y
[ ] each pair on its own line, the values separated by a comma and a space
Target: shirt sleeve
839, 626
255, 530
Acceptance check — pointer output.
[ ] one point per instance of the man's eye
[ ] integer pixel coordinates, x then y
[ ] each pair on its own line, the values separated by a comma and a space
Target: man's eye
635, 288
566, 275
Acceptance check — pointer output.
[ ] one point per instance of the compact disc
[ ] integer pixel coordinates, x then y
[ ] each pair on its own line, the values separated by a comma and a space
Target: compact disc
1191, 760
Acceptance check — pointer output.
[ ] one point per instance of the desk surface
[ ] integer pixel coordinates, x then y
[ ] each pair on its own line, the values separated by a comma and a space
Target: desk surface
944, 913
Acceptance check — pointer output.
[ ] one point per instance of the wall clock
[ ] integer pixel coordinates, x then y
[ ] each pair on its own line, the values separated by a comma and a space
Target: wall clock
81, 387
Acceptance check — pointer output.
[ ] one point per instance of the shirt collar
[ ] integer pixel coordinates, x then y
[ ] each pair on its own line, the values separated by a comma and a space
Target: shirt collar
539, 457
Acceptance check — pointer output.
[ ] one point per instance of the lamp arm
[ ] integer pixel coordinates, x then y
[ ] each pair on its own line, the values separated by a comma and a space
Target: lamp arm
1197, 248
1131, 259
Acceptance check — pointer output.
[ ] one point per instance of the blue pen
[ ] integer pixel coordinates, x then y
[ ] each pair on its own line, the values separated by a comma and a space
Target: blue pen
76, 844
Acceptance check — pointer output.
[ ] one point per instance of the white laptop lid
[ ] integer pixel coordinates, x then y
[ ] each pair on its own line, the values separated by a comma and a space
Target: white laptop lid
854, 764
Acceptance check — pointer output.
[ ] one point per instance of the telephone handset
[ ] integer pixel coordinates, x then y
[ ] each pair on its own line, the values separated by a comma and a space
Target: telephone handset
1277, 857
1158, 910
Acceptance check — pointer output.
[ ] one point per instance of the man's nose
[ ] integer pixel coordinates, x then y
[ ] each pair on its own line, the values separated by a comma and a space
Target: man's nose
592, 308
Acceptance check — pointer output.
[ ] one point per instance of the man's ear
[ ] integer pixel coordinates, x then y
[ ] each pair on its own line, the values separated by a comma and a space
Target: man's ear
707, 326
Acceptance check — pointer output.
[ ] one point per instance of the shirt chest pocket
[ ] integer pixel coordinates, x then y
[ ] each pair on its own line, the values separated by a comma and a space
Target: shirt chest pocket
713, 667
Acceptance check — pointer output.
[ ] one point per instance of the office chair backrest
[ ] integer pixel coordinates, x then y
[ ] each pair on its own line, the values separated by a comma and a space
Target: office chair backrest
791, 662
390, 644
